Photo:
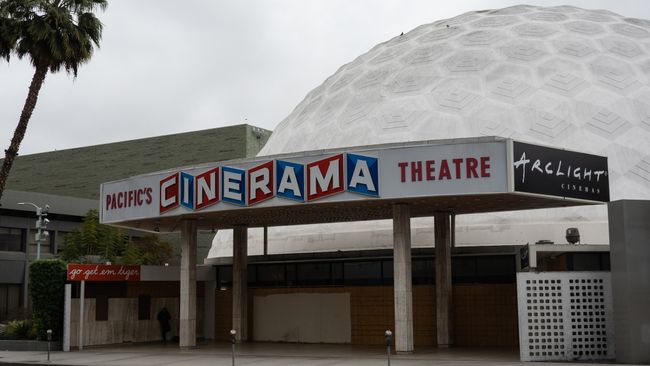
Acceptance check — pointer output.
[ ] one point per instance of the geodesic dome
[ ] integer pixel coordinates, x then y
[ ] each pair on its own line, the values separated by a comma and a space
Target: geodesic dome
561, 76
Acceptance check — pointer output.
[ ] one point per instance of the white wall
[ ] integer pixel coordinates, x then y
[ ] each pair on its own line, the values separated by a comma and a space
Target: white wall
304, 318
123, 324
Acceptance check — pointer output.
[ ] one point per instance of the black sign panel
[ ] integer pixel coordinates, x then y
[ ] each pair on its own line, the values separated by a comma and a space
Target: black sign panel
561, 173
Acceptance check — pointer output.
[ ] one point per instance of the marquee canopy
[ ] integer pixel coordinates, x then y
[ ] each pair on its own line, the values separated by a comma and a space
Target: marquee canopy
361, 183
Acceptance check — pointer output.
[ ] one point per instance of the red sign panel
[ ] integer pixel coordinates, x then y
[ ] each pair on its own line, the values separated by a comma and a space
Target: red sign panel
103, 272
325, 177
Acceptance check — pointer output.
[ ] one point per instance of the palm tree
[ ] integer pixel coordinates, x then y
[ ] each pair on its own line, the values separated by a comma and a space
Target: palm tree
53, 34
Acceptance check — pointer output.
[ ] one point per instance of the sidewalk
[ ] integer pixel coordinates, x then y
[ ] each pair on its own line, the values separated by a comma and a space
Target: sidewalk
271, 354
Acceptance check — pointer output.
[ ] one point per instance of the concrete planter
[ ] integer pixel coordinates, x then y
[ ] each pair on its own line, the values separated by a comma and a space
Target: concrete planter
22, 345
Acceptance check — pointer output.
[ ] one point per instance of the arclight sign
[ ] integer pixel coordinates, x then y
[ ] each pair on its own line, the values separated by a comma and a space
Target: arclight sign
385, 172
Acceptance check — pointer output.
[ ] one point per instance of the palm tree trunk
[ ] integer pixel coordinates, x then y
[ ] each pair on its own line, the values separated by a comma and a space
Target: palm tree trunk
19, 133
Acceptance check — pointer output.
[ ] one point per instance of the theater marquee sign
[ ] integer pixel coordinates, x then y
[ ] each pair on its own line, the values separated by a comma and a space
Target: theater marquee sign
562, 173
384, 172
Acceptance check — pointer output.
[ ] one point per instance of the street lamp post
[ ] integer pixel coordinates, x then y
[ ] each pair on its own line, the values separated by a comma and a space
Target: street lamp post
41, 224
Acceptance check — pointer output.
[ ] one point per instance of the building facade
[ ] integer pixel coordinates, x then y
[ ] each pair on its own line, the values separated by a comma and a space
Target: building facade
68, 181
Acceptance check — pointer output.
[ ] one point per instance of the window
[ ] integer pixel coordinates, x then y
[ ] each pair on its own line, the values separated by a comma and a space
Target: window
337, 273
58, 240
251, 273
484, 269
50, 241
371, 272
496, 269
463, 269
588, 262
387, 272
12, 239
10, 300
291, 274
224, 277
604, 259
313, 274
362, 273
269, 275
423, 271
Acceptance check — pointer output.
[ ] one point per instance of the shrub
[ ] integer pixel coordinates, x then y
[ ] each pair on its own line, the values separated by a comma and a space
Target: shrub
19, 329
93, 239
47, 287
148, 250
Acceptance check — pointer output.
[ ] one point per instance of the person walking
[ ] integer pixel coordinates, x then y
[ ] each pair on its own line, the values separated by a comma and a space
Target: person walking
163, 319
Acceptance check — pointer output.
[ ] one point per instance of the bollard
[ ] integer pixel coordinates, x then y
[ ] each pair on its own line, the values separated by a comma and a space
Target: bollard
233, 340
388, 335
49, 340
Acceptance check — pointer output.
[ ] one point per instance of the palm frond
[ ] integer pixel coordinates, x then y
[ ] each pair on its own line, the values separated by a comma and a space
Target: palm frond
55, 33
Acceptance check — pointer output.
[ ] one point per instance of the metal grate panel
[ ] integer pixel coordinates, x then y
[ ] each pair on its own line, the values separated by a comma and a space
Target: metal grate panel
565, 316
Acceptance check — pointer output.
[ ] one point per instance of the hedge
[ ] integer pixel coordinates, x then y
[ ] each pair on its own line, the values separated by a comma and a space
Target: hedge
47, 286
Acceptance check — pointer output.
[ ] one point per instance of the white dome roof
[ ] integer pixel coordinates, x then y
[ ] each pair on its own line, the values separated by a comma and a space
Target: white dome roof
560, 76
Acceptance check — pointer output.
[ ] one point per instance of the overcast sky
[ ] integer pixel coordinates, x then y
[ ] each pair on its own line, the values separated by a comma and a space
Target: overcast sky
172, 66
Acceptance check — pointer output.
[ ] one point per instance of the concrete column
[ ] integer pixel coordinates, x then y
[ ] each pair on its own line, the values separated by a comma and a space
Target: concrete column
444, 295
629, 235
452, 230
266, 240
187, 321
67, 312
240, 282
402, 278
26, 280
82, 315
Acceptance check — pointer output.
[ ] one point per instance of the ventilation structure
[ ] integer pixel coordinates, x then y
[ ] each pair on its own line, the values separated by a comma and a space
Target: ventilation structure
565, 316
